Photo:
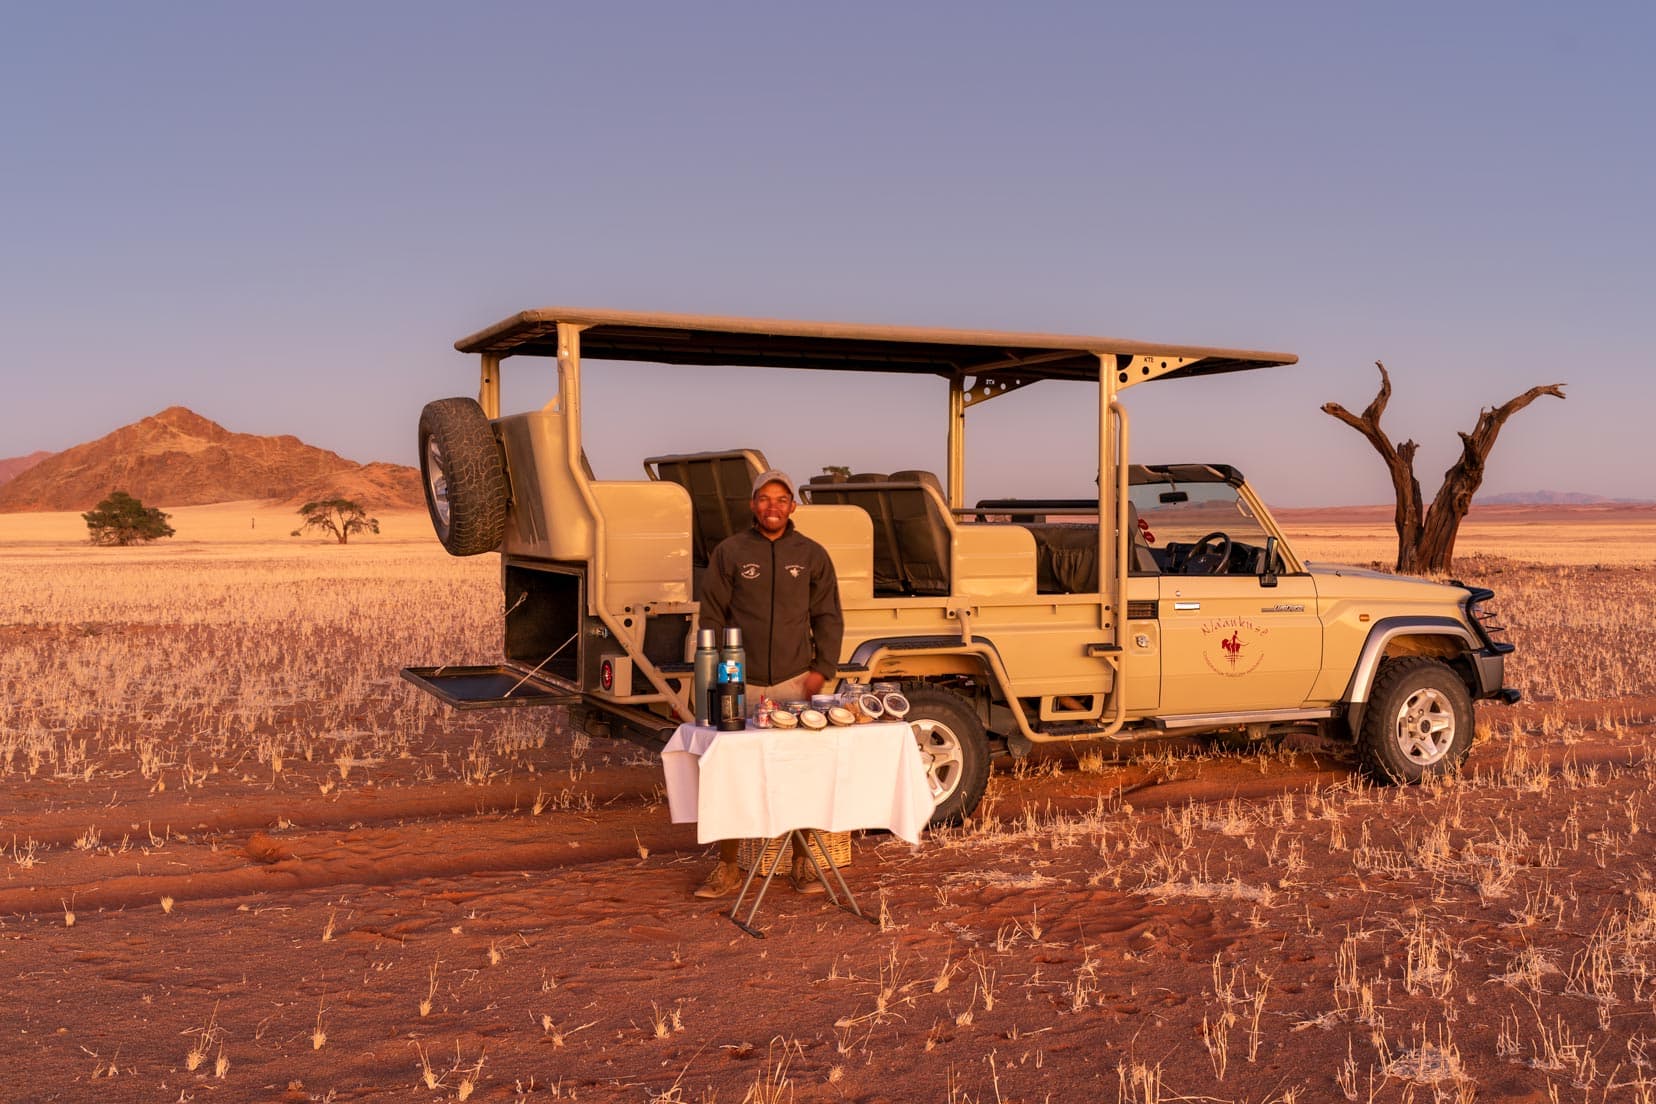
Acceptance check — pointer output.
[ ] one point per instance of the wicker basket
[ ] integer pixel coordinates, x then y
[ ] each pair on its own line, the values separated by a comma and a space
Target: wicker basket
770, 854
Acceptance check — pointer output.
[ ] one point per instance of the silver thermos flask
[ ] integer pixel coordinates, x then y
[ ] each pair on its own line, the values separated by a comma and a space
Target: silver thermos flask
707, 672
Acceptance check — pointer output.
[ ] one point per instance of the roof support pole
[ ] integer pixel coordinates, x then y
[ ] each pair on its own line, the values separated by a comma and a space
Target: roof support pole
957, 442
488, 386
569, 402
1112, 532
1112, 479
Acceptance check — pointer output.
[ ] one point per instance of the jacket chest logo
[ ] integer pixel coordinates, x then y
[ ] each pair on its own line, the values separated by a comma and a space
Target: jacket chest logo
750, 571
795, 570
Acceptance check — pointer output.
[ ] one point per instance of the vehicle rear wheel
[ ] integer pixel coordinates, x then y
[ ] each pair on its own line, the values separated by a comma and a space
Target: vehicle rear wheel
955, 748
1418, 723
464, 476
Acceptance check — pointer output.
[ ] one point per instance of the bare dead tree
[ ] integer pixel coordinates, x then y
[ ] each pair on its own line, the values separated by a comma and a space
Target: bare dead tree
1426, 542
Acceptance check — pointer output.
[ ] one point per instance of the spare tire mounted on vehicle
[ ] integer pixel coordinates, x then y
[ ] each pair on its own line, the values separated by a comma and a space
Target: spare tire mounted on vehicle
464, 476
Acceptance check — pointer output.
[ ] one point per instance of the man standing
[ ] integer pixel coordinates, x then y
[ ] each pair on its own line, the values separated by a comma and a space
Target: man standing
777, 585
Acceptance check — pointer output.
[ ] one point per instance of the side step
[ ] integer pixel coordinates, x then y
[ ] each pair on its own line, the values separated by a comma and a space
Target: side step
1154, 726
1232, 720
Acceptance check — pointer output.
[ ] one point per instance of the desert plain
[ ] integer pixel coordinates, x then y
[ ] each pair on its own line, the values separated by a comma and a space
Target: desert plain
243, 860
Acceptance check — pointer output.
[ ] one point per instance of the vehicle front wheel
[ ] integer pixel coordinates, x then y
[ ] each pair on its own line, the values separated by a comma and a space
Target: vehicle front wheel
464, 476
955, 748
1418, 723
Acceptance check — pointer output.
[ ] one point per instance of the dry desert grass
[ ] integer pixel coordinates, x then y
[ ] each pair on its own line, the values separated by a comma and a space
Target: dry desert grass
243, 861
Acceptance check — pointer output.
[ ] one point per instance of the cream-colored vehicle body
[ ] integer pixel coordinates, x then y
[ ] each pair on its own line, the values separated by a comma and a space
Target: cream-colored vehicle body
1037, 622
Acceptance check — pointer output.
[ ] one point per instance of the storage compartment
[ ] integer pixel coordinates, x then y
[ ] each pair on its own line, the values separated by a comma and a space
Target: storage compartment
544, 619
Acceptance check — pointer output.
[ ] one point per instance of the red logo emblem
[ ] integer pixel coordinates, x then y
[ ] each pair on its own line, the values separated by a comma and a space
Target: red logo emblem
1233, 648
1230, 659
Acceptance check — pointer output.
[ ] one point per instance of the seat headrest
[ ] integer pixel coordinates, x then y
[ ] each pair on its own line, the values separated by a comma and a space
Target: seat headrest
915, 476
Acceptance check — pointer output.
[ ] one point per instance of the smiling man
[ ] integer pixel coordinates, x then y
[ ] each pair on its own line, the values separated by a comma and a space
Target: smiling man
777, 585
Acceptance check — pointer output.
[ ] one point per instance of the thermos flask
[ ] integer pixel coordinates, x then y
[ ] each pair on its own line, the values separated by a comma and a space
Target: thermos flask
732, 682
707, 672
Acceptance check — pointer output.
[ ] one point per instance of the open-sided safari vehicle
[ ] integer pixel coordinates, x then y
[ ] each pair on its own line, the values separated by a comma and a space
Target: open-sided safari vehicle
1016, 620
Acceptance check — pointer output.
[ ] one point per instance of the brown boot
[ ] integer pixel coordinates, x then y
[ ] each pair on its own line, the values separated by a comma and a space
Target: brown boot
805, 879
725, 878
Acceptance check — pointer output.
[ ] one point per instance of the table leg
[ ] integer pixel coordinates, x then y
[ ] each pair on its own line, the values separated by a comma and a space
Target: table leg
801, 838
850, 903
736, 907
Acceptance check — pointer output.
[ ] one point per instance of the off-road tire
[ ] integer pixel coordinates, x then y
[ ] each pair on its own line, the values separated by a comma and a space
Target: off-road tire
1418, 723
464, 477
956, 749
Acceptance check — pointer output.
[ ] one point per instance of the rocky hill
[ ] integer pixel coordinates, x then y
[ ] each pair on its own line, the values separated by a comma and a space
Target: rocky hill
179, 458
17, 465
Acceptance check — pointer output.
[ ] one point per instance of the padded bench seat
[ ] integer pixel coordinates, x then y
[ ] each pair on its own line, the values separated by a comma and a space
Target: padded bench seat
1066, 557
720, 485
913, 531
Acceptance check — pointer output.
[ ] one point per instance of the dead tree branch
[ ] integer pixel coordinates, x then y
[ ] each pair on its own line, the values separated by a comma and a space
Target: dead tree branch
1426, 540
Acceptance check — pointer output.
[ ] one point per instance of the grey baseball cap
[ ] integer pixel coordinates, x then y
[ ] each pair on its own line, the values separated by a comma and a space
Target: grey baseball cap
774, 477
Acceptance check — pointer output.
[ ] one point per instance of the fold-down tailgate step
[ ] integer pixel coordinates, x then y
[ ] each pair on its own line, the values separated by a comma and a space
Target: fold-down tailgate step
487, 687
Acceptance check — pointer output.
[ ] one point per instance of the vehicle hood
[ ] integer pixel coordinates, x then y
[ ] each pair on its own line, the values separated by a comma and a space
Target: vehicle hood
1344, 579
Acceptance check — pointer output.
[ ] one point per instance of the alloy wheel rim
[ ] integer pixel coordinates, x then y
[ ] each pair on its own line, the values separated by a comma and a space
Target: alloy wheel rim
940, 748
437, 481
1425, 726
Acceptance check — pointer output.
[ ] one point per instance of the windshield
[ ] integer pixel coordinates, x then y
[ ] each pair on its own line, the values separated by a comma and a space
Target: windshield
1186, 512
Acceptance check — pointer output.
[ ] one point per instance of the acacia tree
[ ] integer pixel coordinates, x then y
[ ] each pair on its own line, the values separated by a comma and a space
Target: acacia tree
1426, 541
338, 517
121, 519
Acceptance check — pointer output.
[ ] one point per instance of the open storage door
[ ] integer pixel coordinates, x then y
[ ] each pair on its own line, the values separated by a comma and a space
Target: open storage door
491, 686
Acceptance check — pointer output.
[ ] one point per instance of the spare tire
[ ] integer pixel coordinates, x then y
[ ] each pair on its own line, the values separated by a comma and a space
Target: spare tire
464, 476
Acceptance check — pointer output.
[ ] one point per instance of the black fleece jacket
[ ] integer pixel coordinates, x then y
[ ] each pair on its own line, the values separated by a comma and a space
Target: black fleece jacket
784, 597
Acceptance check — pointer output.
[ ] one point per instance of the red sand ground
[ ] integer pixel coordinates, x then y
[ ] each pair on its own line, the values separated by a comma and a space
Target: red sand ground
1172, 925
561, 951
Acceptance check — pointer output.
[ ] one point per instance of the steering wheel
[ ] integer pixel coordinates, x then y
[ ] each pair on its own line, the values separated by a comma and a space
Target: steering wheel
1196, 561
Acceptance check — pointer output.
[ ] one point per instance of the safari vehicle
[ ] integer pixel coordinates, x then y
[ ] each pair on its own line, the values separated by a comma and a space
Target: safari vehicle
1023, 621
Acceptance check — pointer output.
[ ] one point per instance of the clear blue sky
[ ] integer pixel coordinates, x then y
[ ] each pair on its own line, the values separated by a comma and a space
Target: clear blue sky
283, 215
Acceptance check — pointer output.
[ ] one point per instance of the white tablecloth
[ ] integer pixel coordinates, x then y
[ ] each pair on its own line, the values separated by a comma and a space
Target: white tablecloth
760, 783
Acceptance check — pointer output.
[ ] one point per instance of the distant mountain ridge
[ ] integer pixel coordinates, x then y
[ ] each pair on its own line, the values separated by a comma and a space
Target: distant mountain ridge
14, 466
1555, 498
179, 458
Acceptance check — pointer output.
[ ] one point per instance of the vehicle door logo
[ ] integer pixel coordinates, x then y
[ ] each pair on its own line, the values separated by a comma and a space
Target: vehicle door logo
1233, 647
750, 571
1240, 646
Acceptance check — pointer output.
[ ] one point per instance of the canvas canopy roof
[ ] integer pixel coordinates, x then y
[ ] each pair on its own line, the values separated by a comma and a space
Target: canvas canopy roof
715, 340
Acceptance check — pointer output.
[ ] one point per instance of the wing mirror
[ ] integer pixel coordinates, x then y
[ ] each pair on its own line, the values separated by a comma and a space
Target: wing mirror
1268, 573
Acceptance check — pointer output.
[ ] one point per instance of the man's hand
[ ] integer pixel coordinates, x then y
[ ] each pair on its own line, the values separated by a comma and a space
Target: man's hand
813, 682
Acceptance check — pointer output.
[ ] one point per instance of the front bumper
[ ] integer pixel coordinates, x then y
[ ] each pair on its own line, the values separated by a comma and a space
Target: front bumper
1489, 675
1489, 661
